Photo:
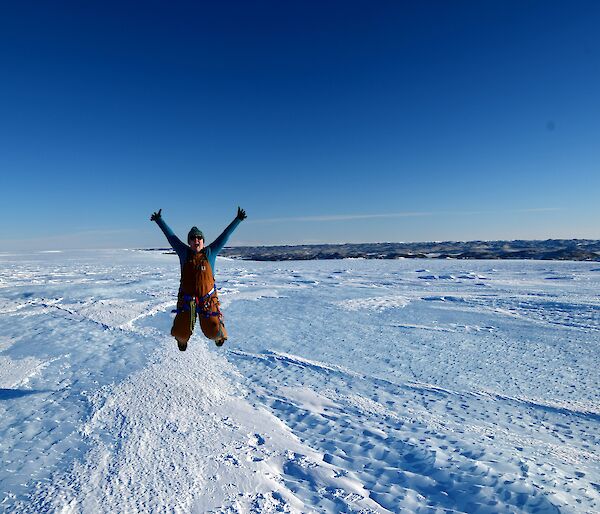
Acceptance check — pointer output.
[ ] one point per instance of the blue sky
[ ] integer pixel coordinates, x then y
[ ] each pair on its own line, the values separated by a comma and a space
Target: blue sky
333, 121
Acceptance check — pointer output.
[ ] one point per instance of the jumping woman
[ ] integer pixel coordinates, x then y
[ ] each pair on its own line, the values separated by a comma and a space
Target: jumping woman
197, 290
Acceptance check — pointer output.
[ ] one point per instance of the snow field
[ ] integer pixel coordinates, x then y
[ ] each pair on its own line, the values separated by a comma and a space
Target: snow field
346, 386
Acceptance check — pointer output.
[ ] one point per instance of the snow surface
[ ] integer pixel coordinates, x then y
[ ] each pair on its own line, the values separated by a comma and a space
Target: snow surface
346, 386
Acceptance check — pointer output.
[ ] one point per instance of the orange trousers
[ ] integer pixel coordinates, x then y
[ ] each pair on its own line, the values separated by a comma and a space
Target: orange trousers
212, 326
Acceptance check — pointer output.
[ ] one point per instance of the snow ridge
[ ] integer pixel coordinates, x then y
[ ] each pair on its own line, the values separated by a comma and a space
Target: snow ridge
171, 438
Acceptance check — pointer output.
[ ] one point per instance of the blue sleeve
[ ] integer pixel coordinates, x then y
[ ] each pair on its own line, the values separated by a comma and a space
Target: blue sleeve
217, 245
177, 244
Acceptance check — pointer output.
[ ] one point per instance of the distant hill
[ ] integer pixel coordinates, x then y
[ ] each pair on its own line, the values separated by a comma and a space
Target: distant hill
550, 249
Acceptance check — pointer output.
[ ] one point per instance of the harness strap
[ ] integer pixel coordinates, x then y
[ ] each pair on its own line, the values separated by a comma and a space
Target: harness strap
193, 304
187, 304
192, 314
207, 314
210, 293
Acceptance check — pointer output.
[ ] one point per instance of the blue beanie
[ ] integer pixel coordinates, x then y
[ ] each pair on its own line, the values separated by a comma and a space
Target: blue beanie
195, 231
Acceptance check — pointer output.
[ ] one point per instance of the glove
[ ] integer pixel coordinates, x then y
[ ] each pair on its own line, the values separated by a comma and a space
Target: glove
155, 215
241, 215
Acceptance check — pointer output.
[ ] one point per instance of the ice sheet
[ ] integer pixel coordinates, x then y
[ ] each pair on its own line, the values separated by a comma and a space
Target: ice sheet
346, 386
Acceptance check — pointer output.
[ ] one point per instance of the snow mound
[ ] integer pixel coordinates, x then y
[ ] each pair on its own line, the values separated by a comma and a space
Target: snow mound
180, 426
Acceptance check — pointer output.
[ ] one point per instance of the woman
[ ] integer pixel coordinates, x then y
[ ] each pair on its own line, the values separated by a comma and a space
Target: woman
197, 290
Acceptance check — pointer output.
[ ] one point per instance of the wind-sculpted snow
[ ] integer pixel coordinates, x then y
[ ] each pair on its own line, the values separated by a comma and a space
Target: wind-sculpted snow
377, 304
346, 386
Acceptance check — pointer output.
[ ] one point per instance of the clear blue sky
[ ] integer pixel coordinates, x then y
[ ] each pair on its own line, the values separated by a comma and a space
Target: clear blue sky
328, 121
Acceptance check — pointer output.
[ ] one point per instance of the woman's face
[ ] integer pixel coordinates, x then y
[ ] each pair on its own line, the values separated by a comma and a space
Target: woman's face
196, 243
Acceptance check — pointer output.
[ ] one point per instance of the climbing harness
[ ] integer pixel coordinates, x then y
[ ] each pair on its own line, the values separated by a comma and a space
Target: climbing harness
199, 305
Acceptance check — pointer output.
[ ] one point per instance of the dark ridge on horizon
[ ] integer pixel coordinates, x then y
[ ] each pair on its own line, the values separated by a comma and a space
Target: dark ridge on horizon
548, 249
